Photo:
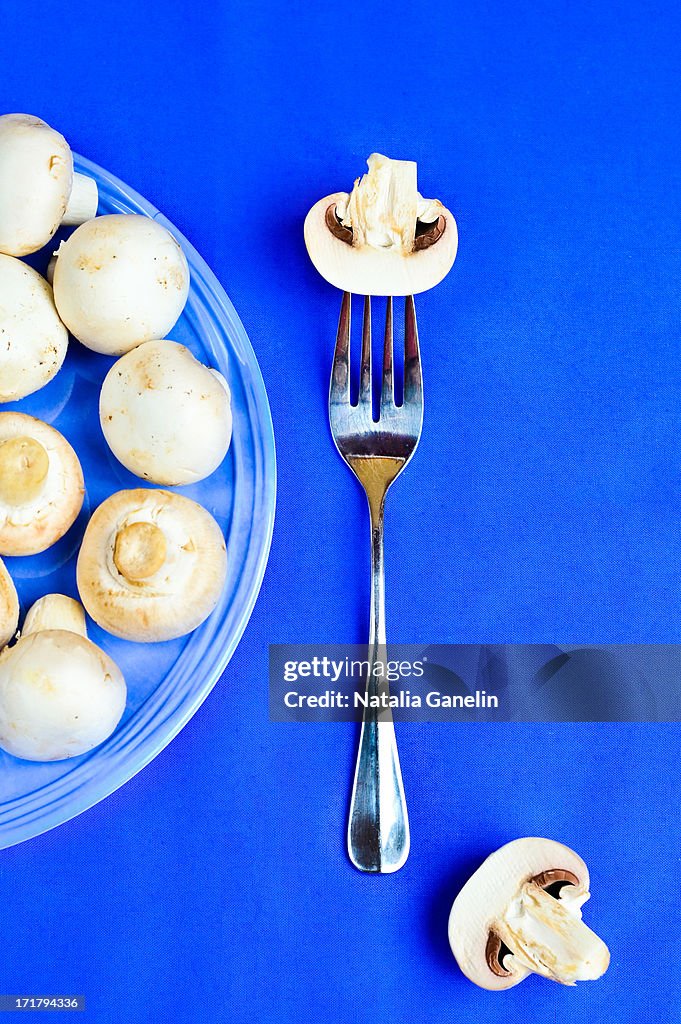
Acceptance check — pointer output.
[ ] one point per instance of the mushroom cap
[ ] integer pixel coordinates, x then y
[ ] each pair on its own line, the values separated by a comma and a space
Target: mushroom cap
179, 594
36, 176
371, 271
34, 340
39, 523
165, 415
489, 892
60, 696
9, 606
120, 280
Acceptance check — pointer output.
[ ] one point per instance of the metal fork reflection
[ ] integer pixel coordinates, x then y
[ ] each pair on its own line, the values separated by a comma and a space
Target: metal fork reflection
377, 452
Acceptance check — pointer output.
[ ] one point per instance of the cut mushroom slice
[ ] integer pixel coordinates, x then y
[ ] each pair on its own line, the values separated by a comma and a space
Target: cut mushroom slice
9, 606
41, 485
151, 566
34, 340
383, 238
521, 913
38, 187
120, 280
60, 694
165, 415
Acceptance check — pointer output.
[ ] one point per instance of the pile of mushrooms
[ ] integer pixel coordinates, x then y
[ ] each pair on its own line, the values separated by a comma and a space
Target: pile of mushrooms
60, 694
520, 913
152, 564
383, 238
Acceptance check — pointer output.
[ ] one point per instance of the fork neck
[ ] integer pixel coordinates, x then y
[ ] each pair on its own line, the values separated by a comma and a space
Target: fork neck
376, 473
377, 631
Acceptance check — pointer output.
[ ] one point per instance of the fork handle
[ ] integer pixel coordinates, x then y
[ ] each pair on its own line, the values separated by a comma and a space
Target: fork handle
378, 829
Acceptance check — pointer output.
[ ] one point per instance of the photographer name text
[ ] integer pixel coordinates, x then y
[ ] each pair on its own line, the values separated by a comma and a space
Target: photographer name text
387, 701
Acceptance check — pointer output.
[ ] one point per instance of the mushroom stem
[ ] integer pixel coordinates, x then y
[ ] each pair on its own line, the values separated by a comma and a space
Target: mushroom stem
139, 550
547, 936
24, 465
55, 611
83, 201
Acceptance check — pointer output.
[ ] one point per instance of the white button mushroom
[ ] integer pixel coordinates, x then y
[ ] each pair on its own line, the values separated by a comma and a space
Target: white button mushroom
521, 913
151, 566
33, 340
38, 187
9, 606
165, 415
384, 238
120, 280
41, 485
60, 695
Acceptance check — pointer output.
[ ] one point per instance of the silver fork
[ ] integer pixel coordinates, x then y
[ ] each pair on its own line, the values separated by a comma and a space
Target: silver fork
377, 452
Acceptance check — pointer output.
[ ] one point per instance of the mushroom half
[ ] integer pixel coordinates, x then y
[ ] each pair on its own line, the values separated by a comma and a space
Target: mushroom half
521, 913
60, 694
41, 485
9, 606
166, 416
383, 238
34, 340
120, 280
38, 187
151, 566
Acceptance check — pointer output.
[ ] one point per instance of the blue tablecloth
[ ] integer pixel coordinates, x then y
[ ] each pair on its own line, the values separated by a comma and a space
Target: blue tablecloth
543, 505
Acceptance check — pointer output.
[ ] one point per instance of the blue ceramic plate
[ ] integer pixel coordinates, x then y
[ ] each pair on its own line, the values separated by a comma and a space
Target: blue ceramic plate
166, 682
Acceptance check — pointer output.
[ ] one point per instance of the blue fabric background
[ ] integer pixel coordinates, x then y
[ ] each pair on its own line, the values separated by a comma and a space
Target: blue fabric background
543, 504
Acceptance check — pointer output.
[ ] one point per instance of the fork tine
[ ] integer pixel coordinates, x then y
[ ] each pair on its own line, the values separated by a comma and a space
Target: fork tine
413, 379
365, 365
388, 392
340, 374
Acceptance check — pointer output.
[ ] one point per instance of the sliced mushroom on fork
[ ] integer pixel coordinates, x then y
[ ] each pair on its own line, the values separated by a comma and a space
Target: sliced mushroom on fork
383, 238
